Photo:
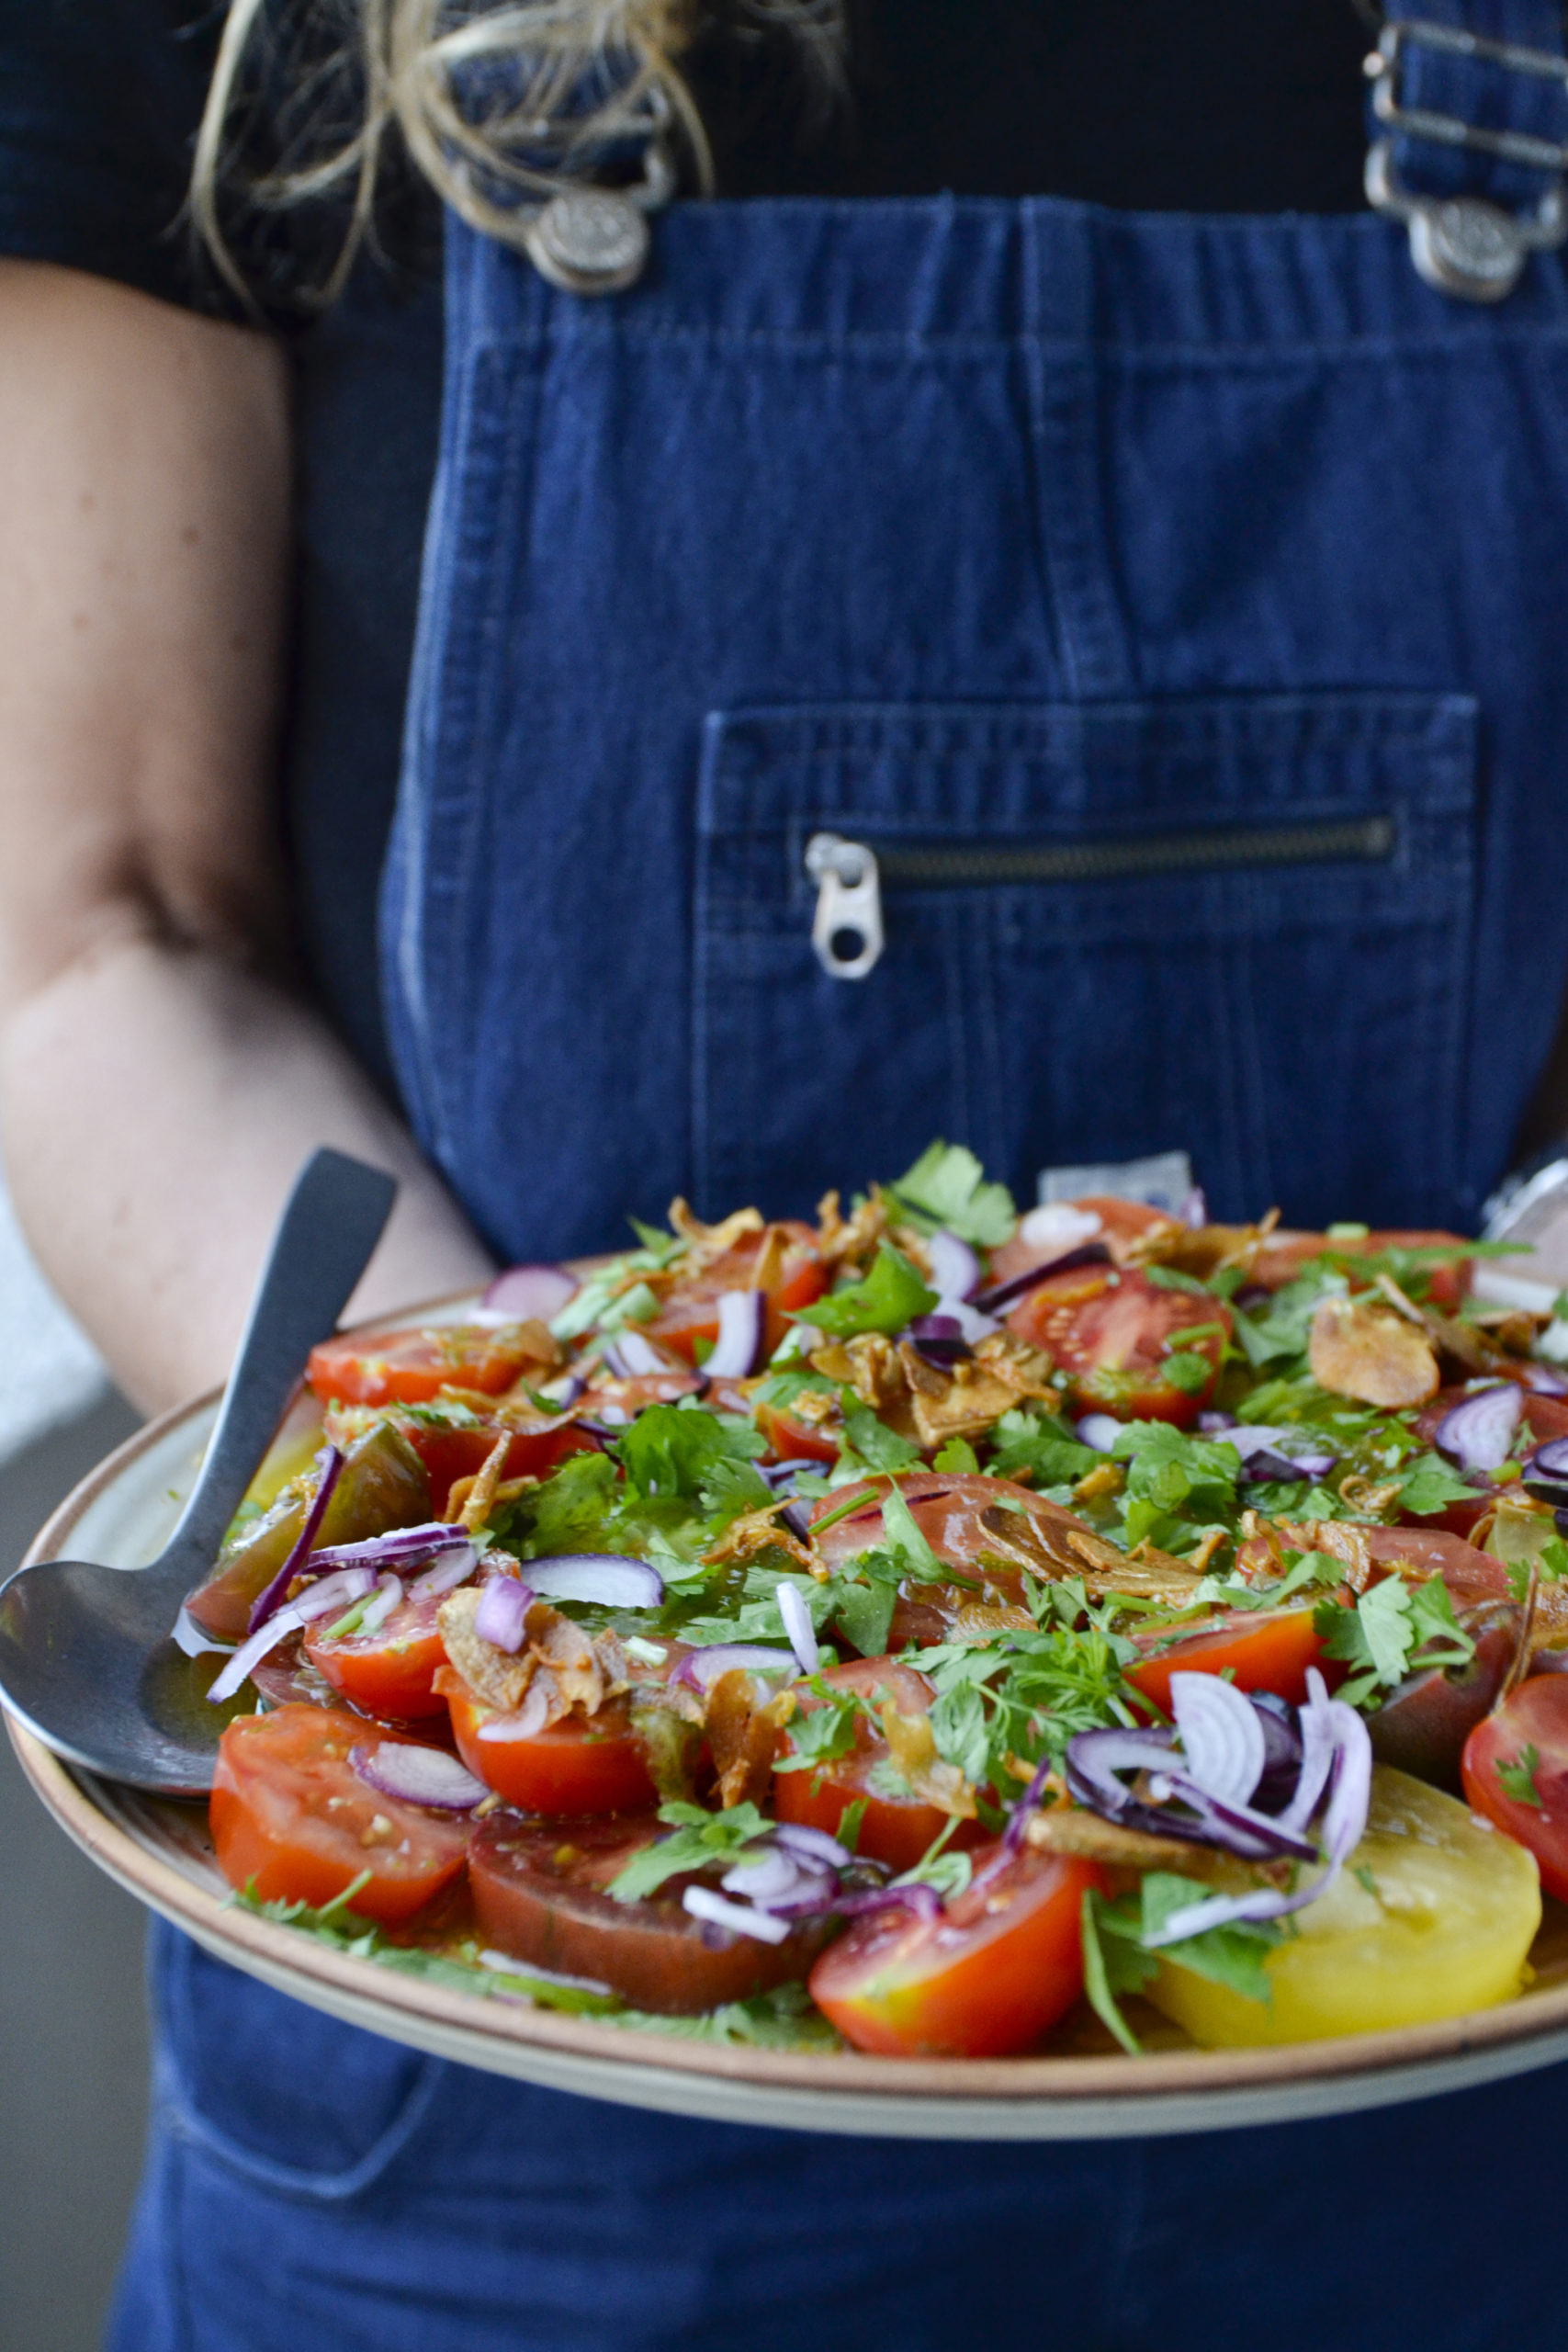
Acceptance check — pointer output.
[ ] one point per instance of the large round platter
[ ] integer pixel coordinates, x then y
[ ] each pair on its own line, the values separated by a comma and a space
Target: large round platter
160, 1853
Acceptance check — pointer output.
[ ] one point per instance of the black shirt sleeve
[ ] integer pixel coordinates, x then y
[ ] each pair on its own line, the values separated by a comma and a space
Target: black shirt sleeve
99, 103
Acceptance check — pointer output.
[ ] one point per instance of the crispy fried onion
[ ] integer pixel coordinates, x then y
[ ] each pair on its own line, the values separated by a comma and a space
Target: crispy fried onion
744, 1726
560, 1667
913, 1752
1200, 1251
760, 1530
1051, 1547
706, 1242
1363, 1349
930, 1403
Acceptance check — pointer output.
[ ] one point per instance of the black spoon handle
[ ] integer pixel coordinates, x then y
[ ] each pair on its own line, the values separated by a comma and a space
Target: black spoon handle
334, 1217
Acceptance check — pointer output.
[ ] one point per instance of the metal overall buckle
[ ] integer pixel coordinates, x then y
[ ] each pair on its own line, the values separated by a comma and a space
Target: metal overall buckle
1464, 245
590, 240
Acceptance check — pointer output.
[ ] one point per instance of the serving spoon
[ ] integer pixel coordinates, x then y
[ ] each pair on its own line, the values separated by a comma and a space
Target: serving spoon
87, 1660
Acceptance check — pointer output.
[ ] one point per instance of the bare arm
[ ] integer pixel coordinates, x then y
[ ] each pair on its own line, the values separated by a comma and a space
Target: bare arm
159, 1083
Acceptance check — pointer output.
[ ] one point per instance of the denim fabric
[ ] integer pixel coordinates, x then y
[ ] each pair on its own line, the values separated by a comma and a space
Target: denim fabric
948, 523
977, 521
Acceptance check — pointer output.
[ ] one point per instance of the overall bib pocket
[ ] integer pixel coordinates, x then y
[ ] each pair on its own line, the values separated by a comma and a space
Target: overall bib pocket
1239, 925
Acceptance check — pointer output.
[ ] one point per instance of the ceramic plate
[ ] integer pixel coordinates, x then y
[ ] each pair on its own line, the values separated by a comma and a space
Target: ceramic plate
161, 1853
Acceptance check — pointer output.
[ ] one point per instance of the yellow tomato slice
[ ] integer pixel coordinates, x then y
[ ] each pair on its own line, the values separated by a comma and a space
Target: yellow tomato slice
1444, 1925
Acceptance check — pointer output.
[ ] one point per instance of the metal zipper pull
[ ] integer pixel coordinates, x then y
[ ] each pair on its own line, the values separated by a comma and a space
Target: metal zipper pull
846, 929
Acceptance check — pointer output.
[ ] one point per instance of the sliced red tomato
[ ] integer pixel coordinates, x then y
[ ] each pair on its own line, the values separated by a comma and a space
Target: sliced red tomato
796, 1275
1113, 1333
292, 1818
895, 1830
790, 1439
593, 1765
1264, 1650
1285, 1253
539, 1894
998, 1969
410, 1367
391, 1671
449, 1454
1515, 1773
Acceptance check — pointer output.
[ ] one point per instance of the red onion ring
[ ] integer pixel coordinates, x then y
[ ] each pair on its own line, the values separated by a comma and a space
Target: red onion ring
329, 1462
528, 1293
426, 1776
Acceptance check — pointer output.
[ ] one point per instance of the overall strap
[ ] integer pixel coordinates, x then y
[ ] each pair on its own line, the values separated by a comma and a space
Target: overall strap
1469, 120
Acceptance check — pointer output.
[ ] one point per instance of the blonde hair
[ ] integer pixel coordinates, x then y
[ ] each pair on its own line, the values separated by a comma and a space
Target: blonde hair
550, 83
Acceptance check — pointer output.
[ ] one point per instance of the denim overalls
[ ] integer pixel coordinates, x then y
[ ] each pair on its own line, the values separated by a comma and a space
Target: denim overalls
1174, 610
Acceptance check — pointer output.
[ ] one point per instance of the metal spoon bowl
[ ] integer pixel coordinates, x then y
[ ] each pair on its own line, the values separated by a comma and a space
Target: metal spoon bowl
87, 1660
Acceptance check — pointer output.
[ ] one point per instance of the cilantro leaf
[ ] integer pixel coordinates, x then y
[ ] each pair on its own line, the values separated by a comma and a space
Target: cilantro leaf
1430, 1484
947, 1185
1517, 1780
1392, 1628
697, 1840
889, 1298
959, 1456
864, 1611
1172, 1475
1233, 1955
1042, 1444
821, 1734
874, 1442
1116, 1964
672, 1450
570, 1512
961, 1732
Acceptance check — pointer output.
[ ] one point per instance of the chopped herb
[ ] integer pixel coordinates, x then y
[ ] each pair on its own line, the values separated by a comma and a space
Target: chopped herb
947, 1186
876, 1444
698, 1840
958, 1457
1393, 1629
888, 1300
1517, 1780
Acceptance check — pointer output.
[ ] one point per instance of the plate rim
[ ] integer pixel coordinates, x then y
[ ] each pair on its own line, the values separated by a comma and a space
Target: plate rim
1071, 2081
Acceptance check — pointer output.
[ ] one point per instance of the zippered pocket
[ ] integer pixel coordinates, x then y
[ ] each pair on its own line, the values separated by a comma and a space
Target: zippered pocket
847, 928
1060, 933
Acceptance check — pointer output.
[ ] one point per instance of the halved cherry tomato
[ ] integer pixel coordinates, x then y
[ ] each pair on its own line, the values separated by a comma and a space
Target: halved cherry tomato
291, 1817
1113, 1333
1534, 1718
790, 1439
410, 1367
997, 1968
391, 1671
895, 1830
597, 1765
1285, 1253
538, 1894
449, 1454
1264, 1650
690, 1310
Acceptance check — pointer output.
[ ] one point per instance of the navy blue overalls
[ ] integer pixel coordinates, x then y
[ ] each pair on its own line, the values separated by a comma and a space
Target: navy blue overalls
1174, 609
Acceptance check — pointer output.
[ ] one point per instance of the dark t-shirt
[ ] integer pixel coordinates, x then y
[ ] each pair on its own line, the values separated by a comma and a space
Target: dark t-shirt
1164, 105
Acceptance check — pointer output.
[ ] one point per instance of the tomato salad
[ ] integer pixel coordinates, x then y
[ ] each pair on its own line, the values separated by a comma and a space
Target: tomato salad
932, 1628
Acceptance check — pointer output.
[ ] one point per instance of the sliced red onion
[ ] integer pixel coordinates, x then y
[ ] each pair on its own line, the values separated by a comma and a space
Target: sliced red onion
1279, 1454
565, 1392
1094, 1758
914, 1895
333, 1592
815, 1845
1222, 1738
742, 1329
1479, 1432
610, 1579
798, 1626
329, 1464
1545, 1379
1550, 1460
399, 1547
526, 1724
452, 1569
388, 1596
1282, 1752
797, 1519
527, 1294
1059, 1225
1212, 1422
503, 1614
701, 1668
630, 1355
940, 1339
419, 1775
955, 1268
772, 1872
1091, 1253
1028, 1802
1099, 1429
1194, 1209
1344, 1822
739, 1918
779, 1474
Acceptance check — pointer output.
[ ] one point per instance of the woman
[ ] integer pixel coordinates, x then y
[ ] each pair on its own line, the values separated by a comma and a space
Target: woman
1167, 599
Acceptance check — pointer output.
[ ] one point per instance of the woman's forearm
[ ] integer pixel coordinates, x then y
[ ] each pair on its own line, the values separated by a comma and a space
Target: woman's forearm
156, 1105
159, 1082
